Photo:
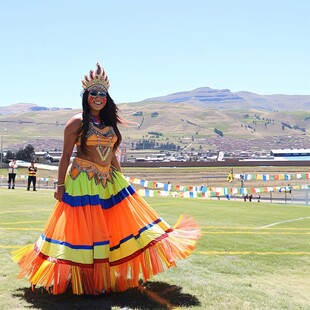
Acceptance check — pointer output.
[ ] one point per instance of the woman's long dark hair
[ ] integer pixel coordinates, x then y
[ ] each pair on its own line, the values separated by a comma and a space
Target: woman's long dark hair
109, 115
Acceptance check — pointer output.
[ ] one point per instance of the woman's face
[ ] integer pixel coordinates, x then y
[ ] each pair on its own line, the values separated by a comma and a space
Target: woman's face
97, 99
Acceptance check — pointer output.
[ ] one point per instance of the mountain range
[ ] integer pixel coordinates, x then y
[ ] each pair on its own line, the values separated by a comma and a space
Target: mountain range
225, 99
26, 107
202, 118
207, 97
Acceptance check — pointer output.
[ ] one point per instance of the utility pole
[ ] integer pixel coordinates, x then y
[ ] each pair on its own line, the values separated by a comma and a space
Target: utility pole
1, 155
1, 150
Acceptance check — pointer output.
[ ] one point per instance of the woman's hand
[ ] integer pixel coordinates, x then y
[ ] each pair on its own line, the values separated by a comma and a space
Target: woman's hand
59, 192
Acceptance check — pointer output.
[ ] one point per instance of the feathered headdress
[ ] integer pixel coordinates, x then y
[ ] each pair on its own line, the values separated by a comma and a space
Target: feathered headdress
94, 78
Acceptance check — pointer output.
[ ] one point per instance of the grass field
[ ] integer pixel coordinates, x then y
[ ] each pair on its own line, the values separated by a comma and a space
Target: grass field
250, 256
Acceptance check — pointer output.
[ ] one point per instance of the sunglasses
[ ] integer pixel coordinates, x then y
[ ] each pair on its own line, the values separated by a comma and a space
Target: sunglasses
95, 93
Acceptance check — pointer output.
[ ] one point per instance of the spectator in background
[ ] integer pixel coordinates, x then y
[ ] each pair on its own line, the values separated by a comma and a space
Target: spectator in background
230, 176
32, 176
12, 173
242, 179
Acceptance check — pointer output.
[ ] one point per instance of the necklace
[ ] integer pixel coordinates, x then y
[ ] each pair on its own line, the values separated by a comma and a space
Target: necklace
97, 121
103, 152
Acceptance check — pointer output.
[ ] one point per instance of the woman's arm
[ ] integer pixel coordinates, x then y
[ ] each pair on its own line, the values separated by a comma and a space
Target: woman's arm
70, 137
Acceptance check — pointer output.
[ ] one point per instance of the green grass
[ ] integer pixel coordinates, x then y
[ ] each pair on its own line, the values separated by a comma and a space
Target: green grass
236, 265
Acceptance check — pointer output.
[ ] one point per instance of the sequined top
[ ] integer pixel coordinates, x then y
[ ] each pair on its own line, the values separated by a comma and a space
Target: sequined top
96, 136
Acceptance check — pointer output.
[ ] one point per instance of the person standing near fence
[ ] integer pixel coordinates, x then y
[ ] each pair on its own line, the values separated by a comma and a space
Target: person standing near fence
13, 166
32, 176
230, 176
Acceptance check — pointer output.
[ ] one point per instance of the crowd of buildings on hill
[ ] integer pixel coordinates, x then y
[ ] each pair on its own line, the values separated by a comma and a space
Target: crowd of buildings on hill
206, 149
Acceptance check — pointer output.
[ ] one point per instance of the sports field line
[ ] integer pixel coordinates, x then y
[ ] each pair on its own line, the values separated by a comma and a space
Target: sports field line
10, 246
249, 253
203, 232
25, 211
24, 222
18, 228
286, 221
202, 227
249, 227
254, 233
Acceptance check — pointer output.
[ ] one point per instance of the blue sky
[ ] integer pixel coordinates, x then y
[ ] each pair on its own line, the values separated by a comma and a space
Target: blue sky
152, 48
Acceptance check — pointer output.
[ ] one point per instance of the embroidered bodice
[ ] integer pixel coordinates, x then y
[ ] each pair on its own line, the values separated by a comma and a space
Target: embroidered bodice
102, 138
105, 136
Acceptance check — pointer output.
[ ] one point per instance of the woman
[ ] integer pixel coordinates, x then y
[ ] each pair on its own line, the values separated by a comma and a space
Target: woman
101, 236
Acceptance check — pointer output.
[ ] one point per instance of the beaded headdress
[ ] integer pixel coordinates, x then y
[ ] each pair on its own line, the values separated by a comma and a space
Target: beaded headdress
98, 77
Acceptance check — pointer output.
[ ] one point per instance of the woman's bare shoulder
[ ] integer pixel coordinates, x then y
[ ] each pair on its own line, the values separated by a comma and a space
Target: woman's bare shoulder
75, 121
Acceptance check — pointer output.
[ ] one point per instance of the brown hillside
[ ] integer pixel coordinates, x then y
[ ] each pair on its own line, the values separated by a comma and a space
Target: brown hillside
180, 123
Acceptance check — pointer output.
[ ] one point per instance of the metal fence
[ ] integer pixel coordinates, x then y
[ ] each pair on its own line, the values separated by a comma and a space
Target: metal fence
301, 196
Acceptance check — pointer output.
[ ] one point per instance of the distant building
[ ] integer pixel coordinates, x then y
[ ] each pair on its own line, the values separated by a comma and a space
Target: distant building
48, 156
291, 154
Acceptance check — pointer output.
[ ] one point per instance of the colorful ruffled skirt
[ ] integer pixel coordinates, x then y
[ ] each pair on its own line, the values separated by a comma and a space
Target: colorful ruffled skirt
103, 236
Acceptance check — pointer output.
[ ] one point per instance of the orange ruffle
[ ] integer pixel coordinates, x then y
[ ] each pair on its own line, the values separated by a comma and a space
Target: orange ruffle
103, 239
102, 277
